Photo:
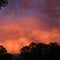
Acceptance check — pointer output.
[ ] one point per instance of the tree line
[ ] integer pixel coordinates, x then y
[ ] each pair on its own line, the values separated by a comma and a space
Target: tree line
34, 51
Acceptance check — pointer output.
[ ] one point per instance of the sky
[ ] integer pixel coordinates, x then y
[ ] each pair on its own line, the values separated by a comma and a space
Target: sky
26, 21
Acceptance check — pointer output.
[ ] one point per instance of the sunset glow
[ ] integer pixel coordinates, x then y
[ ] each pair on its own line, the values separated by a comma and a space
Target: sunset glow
21, 24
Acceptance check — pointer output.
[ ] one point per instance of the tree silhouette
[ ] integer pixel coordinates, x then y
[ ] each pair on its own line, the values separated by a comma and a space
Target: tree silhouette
2, 50
4, 55
40, 51
25, 52
3, 3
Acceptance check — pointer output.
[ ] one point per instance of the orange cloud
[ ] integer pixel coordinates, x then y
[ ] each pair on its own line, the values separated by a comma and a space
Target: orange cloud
17, 34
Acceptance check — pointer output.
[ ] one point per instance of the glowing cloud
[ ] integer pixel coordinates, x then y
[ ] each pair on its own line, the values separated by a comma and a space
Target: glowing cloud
21, 33
26, 21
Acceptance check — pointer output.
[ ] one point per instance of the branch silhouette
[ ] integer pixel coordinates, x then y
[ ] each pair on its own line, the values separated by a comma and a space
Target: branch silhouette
3, 3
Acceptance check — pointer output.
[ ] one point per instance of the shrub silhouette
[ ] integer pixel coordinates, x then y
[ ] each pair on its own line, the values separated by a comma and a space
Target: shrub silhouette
40, 51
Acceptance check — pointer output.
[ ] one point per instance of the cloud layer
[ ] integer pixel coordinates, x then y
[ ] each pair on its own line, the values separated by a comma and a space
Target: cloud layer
26, 21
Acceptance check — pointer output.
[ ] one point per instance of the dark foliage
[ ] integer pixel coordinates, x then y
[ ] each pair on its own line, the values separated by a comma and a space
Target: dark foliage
40, 51
34, 51
4, 55
3, 3
2, 50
